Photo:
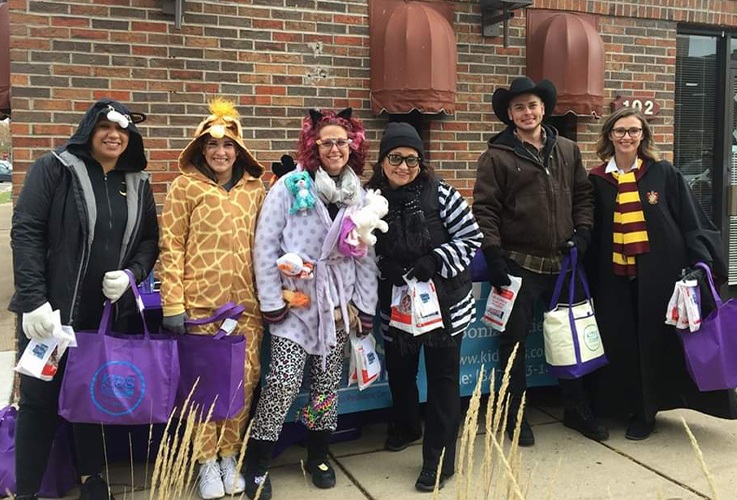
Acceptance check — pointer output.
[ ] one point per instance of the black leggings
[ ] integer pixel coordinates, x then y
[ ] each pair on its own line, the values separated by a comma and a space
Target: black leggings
443, 410
36, 426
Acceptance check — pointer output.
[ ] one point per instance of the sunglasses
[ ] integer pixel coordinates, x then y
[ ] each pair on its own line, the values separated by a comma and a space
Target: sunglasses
396, 159
329, 143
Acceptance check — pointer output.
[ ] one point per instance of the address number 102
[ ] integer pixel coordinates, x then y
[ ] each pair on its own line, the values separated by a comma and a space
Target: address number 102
646, 107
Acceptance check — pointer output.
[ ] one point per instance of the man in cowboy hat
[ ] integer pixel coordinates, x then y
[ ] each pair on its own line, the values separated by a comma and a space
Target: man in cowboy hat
533, 201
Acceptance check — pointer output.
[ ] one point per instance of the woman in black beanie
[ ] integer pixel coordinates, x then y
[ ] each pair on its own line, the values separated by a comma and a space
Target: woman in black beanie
432, 235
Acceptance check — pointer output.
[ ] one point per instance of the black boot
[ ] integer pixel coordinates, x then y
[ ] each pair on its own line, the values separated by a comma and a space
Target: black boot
95, 488
580, 418
258, 457
323, 475
526, 436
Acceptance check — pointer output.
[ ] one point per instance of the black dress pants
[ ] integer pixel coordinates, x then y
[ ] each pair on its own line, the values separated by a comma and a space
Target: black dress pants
443, 409
535, 286
36, 426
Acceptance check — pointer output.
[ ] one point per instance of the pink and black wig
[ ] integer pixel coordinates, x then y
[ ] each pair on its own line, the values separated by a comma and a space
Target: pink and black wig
307, 149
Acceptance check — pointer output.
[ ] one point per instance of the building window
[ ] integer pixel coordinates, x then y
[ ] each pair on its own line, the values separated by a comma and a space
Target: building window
695, 114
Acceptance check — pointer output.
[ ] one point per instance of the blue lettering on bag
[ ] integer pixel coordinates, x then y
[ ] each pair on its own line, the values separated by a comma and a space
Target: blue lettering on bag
117, 388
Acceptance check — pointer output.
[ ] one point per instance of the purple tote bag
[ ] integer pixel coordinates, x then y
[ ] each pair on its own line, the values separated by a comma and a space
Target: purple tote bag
60, 475
120, 378
217, 364
711, 351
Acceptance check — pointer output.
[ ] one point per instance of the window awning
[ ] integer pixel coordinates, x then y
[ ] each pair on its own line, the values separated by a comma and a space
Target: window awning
413, 57
566, 49
4, 60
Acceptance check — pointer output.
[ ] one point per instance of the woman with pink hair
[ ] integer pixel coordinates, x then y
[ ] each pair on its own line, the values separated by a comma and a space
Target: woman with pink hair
305, 214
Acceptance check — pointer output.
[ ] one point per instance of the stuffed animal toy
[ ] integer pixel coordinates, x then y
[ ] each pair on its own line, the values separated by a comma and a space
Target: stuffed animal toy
369, 216
292, 265
295, 298
299, 184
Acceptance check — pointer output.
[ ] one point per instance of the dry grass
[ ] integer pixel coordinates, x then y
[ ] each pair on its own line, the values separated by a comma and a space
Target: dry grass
500, 470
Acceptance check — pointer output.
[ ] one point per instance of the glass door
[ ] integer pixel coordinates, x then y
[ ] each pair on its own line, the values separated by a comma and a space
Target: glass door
731, 187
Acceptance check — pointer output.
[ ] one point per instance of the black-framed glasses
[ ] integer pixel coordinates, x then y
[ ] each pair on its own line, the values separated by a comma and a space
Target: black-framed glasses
329, 143
633, 132
396, 159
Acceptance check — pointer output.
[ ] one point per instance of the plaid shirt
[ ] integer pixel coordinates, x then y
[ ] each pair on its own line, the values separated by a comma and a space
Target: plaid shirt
540, 265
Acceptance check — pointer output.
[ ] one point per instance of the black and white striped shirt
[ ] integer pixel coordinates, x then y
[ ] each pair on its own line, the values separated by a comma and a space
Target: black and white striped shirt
456, 254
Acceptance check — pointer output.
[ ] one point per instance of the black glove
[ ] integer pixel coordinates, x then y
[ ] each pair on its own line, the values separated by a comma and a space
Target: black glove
497, 266
425, 267
392, 271
174, 324
580, 239
694, 273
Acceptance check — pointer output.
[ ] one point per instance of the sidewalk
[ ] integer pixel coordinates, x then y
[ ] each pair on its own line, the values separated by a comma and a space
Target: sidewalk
562, 465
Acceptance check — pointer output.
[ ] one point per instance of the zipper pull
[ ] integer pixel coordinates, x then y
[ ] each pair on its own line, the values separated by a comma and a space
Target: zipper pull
547, 170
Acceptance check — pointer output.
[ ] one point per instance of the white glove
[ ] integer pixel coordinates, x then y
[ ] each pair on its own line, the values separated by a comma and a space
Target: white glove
114, 284
39, 323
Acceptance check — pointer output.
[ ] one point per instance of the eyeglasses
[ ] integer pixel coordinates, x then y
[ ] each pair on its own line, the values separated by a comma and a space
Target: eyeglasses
329, 143
396, 159
633, 132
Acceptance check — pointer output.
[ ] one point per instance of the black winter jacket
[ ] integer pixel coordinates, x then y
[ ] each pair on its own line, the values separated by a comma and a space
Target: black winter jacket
54, 219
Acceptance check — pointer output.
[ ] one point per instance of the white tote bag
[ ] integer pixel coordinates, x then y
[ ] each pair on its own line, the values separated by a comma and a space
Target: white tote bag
573, 345
415, 307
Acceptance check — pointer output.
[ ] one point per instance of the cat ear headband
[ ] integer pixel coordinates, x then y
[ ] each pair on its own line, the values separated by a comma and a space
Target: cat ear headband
316, 115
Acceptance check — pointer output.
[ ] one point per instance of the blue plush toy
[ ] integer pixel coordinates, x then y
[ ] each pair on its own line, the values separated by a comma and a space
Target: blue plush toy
299, 184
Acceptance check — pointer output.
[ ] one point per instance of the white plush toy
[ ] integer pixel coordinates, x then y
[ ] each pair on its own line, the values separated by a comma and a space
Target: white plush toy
369, 216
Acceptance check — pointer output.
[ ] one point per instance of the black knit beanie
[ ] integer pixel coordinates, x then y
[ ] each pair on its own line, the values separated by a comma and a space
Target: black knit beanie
398, 134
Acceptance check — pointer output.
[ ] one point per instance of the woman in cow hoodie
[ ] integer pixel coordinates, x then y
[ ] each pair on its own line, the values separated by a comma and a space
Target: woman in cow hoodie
86, 214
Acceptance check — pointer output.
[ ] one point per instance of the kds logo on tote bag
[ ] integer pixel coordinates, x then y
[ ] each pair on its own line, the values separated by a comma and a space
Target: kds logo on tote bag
118, 388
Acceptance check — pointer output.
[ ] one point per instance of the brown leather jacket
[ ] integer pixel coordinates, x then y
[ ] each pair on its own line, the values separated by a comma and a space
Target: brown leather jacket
524, 205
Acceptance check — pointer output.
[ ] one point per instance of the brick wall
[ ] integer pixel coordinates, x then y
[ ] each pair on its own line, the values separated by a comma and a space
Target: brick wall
279, 57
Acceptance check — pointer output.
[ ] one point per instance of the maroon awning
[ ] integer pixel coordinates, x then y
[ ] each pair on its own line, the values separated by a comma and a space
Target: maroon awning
4, 60
566, 49
413, 56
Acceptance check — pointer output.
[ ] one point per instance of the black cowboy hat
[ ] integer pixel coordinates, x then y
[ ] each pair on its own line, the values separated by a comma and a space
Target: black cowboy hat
545, 90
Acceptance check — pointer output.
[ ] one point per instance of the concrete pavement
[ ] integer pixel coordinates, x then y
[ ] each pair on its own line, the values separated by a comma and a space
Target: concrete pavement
562, 465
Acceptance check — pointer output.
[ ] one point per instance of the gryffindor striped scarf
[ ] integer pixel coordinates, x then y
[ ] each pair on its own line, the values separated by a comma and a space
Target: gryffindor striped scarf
630, 231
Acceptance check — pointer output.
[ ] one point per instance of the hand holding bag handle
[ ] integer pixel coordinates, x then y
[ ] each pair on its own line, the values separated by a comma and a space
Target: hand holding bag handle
105, 322
227, 311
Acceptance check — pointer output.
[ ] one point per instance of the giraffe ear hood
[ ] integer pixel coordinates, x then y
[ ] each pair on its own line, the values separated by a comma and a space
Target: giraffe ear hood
222, 122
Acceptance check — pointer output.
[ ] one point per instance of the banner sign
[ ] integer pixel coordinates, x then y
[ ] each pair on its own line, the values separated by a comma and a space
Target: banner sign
479, 347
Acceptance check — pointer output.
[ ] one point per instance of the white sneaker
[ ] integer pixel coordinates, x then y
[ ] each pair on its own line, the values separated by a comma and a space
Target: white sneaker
233, 480
210, 484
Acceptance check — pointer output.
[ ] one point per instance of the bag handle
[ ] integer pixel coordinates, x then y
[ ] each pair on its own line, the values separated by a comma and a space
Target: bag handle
570, 260
559, 282
228, 311
717, 298
107, 311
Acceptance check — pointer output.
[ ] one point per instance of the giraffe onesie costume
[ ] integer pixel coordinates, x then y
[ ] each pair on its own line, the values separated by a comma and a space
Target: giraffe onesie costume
206, 244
